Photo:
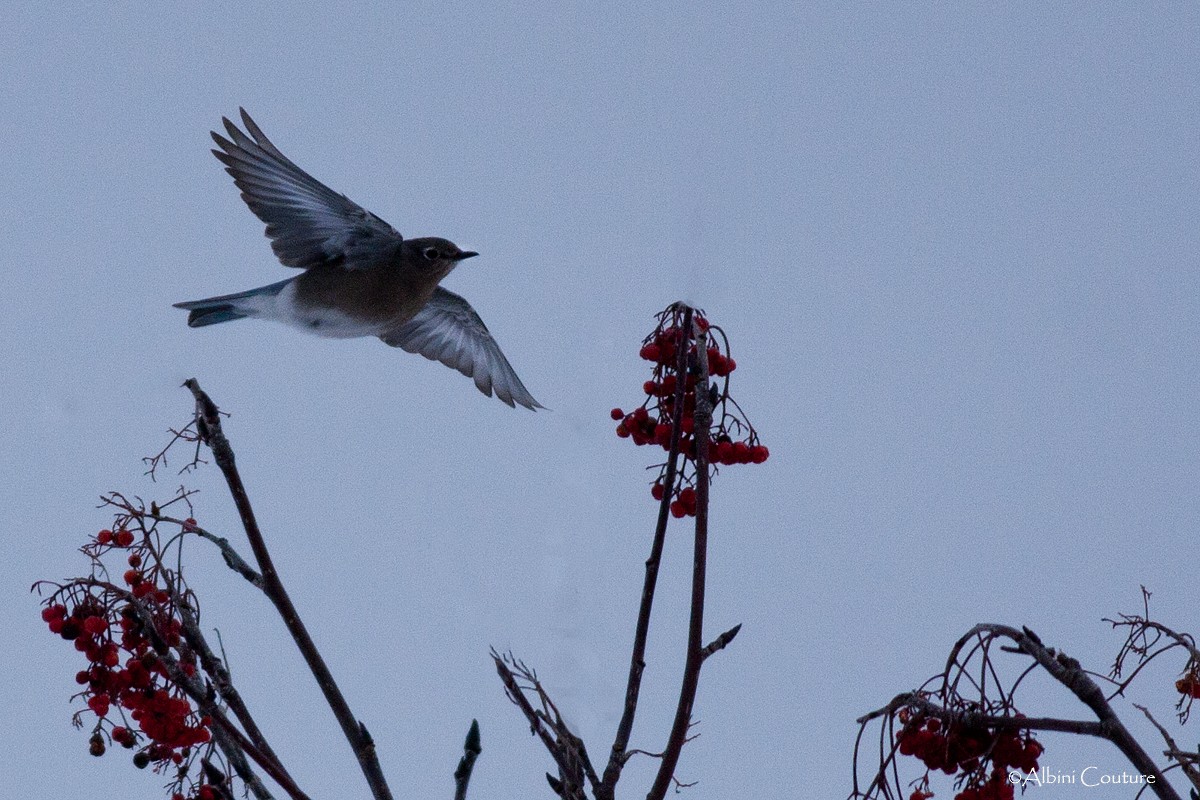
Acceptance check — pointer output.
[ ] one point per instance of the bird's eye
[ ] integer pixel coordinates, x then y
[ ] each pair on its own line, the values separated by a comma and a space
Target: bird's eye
431, 253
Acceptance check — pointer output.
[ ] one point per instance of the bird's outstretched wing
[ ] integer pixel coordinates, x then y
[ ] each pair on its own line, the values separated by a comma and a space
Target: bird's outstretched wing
448, 330
308, 223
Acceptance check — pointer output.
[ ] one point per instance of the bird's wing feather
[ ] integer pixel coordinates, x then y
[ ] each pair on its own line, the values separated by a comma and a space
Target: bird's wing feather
308, 223
448, 330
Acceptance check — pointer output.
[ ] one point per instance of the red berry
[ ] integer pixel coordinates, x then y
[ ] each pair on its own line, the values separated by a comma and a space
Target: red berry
657, 491
687, 498
650, 387
759, 453
95, 625
617, 414
662, 433
622, 431
651, 352
104, 536
677, 509
123, 538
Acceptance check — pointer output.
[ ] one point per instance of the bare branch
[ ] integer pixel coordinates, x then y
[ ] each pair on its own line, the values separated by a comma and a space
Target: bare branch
637, 662
564, 747
1186, 761
471, 751
695, 648
208, 426
721, 641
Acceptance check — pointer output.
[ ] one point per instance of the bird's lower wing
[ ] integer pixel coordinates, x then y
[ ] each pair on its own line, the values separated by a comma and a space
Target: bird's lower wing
448, 330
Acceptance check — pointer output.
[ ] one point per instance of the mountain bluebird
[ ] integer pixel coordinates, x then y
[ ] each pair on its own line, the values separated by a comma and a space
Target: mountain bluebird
360, 276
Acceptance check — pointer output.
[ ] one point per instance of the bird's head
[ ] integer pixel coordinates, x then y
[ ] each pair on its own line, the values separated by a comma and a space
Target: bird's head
432, 255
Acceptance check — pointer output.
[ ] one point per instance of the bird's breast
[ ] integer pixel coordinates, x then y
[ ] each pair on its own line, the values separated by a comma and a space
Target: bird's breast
330, 301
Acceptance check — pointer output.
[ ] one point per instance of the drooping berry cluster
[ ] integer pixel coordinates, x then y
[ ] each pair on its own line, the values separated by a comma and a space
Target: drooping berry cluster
731, 439
983, 756
1189, 684
137, 658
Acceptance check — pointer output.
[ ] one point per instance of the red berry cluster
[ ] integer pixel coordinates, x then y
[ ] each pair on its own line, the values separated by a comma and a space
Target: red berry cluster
731, 439
132, 639
1189, 685
983, 755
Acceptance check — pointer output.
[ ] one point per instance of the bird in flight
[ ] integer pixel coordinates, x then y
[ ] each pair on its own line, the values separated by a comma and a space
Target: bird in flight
360, 276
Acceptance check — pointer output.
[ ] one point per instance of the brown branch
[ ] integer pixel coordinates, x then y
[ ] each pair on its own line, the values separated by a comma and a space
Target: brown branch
721, 641
1070, 674
229, 555
466, 764
993, 721
237, 759
637, 662
563, 746
208, 425
222, 684
231, 558
695, 646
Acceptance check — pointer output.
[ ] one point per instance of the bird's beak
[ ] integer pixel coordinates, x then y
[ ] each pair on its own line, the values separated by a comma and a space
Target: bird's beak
465, 254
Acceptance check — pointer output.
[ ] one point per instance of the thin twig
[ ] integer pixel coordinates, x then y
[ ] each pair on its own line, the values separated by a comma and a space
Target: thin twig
1069, 673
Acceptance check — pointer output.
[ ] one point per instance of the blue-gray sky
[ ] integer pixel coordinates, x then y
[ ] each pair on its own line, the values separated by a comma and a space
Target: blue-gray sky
955, 248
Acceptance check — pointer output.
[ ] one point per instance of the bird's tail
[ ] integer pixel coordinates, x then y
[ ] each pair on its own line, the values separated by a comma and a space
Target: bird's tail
229, 307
